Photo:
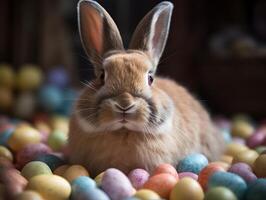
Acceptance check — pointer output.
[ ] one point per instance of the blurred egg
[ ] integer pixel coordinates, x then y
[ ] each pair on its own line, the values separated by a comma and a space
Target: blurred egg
138, 177
29, 195
256, 190
192, 163
260, 166
7, 76
145, 194
57, 140
5, 163
248, 157
25, 105
220, 193
116, 185
50, 98
165, 168
22, 136
256, 139
30, 152
242, 129
98, 179
29, 77
259, 149
58, 76
162, 184
50, 186
60, 123
207, 172
243, 170
187, 188
5, 153
35, 168
69, 97
229, 180
5, 135
6, 99
81, 185
74, 172
44, 130
226, 135
188, 174
51, 160
227, 159
234, 149
61, 170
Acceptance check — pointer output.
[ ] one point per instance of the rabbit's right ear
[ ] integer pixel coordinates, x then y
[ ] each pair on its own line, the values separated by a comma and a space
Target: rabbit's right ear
98, 31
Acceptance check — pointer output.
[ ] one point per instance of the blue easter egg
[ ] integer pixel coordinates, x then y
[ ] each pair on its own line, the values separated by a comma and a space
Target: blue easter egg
58, 77
226, 135
257, 190
192, 163
5, 135
92, 194
232, 181
51, 160
81, 185
69, 97
50, 98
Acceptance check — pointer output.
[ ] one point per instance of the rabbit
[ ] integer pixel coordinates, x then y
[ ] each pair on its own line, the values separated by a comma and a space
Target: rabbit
127, 117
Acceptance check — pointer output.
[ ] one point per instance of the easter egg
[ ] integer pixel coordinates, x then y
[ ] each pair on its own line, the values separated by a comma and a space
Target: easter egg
116, 185
58, 77
162, 184
229, 180
61, 170
243, 170
206, 172
6, 99
5, 153
256, 139
260, 166
69, 97
145, 194
25, 105
248, 156
192, 163
29, 77
57, 140
238, 140
98, 179
74, 172
51, 160
259, 149
187, 188
22, 136
60, 123
81, 185
50, 186
50, 98
188, 174
234, 149
30, 152
227, 159
5, 163
220, 193
165, 168
242, 129
138, 177
256, 190
5, 135
35, 168
7, 76
226, 135
92, 194
29, 195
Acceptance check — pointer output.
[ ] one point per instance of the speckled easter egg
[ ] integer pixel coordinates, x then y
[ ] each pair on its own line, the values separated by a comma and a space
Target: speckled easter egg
138, 177
51, 160
206, 172
248, 157
50, 186
22, 136
74, 172
162, 184
116, 185
187, 188
192, 163
165, 168
81, 185
220, 193
30, 152
92, 194
145, 194
234, 149
35, 168
243, 170
256, 190
260, 166
229, 180
29, 195
188, 174
6, 153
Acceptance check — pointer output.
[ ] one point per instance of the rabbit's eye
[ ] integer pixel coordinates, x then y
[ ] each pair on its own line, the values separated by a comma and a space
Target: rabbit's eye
102, 76
150, 79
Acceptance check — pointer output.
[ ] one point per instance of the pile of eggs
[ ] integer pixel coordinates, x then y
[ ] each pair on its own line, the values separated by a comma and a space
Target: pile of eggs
24, 92
33, 166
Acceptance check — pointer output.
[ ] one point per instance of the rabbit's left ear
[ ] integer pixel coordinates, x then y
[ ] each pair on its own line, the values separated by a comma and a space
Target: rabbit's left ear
151, 33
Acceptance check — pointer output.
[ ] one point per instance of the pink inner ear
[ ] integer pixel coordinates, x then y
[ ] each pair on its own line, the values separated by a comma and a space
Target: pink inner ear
91, 29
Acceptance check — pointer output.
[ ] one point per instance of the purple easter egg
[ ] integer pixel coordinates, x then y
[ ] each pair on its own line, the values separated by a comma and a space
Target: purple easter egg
243, 170
256, 139
138, 177
188, 174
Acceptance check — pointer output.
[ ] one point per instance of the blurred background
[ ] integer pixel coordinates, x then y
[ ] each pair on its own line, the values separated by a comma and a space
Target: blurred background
217, 49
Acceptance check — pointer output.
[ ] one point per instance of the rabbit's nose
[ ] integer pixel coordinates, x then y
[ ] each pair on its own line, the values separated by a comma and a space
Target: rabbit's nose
125, 102
124, 109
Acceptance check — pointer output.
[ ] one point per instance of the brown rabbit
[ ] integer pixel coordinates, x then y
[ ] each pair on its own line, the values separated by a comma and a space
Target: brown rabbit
127, 117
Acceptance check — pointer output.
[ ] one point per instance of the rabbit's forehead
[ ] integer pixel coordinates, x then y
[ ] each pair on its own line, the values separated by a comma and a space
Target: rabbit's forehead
127, 61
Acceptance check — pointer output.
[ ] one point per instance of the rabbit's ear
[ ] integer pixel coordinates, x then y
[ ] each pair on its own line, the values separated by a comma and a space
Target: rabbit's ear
98, 32
151, 33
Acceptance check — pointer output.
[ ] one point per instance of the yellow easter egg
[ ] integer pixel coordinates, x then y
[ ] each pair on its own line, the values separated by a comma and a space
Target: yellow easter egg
35, 168
98, 179
29, 195
242, 129
145, 194
22, 136
7, 76
233, 149
75, 171
226, 158
248, 157
50, 187
187, 189
5, 153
